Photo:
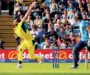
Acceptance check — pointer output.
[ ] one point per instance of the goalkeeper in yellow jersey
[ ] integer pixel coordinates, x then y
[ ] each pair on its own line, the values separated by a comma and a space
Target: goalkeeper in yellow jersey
27, 40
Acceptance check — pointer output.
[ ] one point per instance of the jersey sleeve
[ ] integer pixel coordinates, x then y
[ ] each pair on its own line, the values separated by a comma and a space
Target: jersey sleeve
86, 24
18, 27
20, 24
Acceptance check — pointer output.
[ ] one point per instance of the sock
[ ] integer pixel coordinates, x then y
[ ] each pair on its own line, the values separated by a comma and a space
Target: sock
20, 62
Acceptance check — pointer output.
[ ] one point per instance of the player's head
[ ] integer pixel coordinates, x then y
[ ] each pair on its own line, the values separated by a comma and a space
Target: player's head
15, 22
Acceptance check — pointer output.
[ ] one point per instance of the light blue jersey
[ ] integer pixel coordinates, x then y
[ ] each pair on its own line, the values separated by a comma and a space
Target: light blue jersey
84, 33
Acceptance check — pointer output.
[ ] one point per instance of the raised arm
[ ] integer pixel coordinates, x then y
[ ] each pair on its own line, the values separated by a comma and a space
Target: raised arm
28, 12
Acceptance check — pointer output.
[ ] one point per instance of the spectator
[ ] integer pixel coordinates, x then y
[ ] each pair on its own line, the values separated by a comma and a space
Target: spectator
71, 14
89, 11
53, 8
64, 19
17, 7
73, 21
42, 42
52, 34
50, 25
33, 31
61, 33
88, 1
55, 46
43, 38
70, 6
47, 44
55, 21
20, 7
46, 21
84, 3
36, 9
63, 44
47, 2
85, 16
61, 6
56, 17
46, 11
29, 22
40, 33
18, 14
38, 21
57, 25
67, 30
1, 44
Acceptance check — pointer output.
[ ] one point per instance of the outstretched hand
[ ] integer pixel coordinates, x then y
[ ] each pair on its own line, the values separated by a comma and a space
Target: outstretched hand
28, 12
32, 5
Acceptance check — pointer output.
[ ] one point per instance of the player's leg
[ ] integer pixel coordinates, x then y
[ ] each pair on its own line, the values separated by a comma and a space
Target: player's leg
88, 45
21, 48
31, 50
78, 47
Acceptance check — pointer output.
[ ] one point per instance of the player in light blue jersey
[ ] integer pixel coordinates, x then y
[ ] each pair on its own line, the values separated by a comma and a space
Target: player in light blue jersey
83, 25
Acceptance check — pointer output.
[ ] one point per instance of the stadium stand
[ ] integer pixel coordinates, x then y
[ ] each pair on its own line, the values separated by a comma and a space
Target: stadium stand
7, 33
6, 29
58, 19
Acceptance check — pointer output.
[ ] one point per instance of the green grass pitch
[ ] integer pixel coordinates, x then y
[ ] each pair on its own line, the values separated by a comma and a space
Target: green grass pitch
42, 69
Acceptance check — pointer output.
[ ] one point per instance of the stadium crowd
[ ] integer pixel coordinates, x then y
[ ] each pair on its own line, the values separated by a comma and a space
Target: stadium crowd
54, 25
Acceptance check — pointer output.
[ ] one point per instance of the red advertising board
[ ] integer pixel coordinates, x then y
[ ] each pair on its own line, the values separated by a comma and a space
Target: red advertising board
47, 54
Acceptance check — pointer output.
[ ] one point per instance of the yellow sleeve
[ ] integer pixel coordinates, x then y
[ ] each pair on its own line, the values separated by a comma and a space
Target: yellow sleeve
18, 28
20, 33
19, 24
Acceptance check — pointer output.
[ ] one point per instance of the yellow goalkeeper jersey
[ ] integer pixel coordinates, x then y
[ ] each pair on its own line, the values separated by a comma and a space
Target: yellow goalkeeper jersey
23, 32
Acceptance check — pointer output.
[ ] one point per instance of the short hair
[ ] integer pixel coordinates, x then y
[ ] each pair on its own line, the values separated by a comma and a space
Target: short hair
79, 16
